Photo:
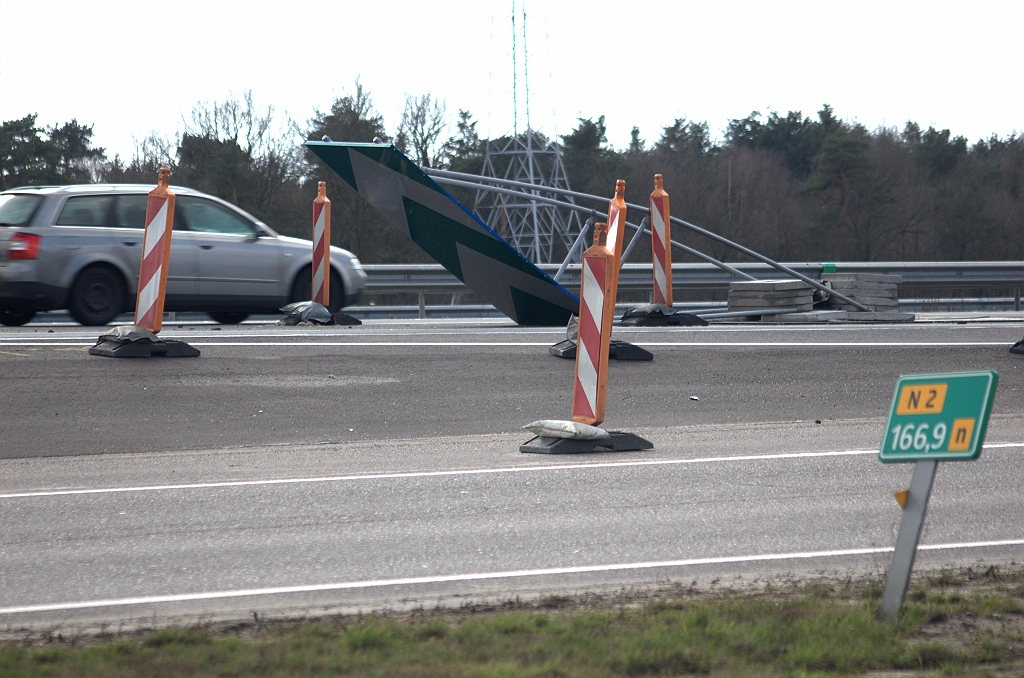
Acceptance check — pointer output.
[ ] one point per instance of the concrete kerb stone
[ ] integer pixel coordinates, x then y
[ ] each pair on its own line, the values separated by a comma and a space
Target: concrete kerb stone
768, 303
768, 285
863, 287
872, 302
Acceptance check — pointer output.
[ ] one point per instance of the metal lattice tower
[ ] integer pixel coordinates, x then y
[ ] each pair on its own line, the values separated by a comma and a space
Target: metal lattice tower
542, 233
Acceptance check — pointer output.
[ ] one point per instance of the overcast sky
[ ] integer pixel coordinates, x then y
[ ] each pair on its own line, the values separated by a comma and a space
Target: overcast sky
132, 67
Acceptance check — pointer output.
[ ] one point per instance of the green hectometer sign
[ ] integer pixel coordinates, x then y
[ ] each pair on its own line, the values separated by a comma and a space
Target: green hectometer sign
939, 416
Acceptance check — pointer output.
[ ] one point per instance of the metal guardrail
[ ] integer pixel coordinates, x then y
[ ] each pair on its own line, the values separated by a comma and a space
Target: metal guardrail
434, 279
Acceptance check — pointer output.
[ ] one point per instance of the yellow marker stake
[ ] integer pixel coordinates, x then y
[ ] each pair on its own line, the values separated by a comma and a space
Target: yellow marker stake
901, 498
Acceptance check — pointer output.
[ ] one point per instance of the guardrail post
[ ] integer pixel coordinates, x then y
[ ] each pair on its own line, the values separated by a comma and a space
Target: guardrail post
1016, 297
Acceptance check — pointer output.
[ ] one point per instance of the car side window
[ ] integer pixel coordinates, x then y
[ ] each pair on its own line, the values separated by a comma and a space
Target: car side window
130, 212
16, 210
85, 210
206, 216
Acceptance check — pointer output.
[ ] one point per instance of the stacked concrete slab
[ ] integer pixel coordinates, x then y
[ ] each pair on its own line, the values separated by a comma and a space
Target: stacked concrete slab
874, 290
757, 295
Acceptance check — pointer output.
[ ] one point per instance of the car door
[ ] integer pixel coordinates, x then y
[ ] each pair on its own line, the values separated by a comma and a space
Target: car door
238, 269
128, 221
82, 230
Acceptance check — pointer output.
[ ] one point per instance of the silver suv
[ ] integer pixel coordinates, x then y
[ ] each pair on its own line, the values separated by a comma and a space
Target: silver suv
78, 247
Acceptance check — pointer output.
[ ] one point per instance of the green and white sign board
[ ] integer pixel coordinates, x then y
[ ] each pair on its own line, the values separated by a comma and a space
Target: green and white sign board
941, 417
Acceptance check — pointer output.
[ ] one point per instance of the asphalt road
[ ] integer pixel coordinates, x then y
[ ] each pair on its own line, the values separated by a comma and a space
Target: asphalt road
260, 385
303, 470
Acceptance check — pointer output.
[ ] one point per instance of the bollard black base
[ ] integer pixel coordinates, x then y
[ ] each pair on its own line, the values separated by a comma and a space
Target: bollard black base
618, 442
1018, 347
659, 315
143, 349
617, 350
346, 319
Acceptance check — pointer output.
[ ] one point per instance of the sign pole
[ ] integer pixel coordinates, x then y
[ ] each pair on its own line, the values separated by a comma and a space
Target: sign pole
906, 541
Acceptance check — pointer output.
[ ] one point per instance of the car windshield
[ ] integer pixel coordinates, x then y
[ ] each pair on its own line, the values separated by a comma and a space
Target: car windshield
16, 210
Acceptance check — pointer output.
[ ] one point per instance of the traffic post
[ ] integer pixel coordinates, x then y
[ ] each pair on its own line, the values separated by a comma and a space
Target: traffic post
933, 418
597, 310
322, 246
156, 254
659, 313
661, 252
140, 340
316, 310
598, 289
616, 233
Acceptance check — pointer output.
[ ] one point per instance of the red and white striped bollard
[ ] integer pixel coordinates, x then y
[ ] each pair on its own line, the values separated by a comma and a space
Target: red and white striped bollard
156, 255
597, 309
661, 251
322, 246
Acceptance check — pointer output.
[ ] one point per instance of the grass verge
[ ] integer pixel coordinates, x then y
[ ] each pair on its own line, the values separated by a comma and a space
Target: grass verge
954, 623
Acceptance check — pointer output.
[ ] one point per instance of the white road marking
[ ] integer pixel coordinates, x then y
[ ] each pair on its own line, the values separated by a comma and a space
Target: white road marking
888, 344
464, 472
700, 344
477, 576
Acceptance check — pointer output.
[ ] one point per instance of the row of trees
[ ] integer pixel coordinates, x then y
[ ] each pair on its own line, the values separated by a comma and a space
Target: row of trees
797, 188
793, 187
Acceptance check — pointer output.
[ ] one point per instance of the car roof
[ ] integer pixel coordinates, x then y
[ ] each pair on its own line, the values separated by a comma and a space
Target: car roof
99, 188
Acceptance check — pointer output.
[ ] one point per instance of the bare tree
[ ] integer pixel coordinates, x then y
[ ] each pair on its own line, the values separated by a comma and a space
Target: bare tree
424, 123
235, 150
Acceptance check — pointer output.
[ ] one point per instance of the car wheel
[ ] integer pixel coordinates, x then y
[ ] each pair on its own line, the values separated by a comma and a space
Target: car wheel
302, 289
227, 317
97, 297
15, 318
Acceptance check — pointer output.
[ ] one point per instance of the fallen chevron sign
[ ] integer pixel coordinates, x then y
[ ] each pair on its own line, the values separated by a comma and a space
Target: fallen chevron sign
449, 232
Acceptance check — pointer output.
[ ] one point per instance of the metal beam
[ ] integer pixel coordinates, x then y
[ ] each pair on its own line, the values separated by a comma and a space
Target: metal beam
598, 215
458, 178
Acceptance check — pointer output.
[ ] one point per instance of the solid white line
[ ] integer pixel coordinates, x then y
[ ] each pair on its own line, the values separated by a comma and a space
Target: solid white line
786, 344
699, 344
465, 472
435, 474
46, 343
477, 576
